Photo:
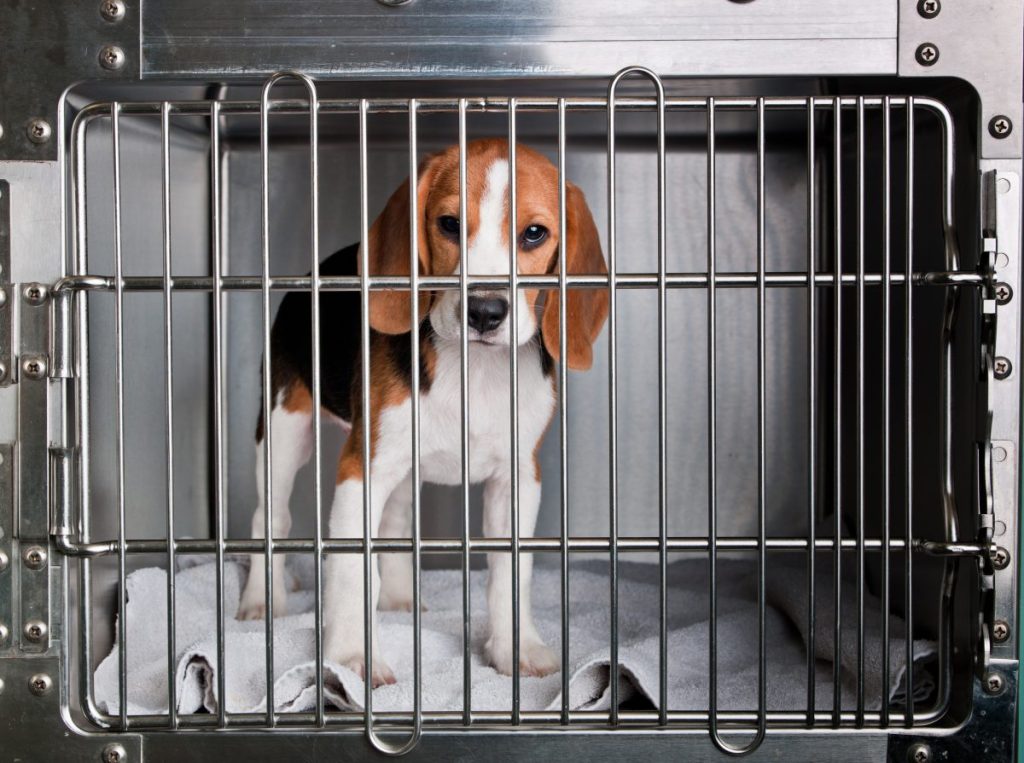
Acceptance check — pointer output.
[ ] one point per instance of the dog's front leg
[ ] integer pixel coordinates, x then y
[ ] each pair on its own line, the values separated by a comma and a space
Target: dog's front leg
344, 612
535, 659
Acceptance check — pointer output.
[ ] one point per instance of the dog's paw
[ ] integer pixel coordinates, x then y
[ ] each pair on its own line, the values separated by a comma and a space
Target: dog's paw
390, 602
535, 659
253, 604
381, 675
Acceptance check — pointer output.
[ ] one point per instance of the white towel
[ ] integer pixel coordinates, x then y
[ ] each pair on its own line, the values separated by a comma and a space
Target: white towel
196, 658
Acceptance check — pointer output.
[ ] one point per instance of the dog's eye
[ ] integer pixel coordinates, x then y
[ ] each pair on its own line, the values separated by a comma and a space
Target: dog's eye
449, 225
534, 235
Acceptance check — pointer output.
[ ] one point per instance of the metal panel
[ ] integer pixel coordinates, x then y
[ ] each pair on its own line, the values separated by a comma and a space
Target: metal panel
438, 38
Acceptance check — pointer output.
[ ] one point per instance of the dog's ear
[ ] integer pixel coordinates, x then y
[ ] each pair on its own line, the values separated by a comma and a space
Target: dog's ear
587, 309
390, 250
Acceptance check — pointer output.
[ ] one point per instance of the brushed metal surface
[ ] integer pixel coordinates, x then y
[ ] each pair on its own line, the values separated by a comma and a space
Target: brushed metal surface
433, 38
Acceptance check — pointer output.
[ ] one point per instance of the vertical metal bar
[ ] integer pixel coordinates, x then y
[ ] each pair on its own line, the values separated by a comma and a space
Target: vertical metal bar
268, 495
165, 128
414, 288
712, 437
563, 411
513, 269
860, 413
218, 404
122, 596
662, 422
318, 537
837, 414
762, 571
812, 407
467, 664
908, 578
886, 364
613, 466
364, 344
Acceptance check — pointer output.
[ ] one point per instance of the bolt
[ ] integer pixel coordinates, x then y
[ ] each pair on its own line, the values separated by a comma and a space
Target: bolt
927, 54
1002, 368
919, 753
39, 130
4, 633
929, 9
36, 293
35, 630
4, 561
112, 57
1000, 631
34, 367
112, 10
1000, 558
35, 557
993, 683
40, 684
114, 753
1000, 126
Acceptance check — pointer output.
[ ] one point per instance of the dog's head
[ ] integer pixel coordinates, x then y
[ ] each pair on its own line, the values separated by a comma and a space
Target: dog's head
438, 228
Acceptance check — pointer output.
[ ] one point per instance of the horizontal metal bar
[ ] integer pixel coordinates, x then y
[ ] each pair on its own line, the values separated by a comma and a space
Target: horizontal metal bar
591, 720
439, 283
554, 544
495, 104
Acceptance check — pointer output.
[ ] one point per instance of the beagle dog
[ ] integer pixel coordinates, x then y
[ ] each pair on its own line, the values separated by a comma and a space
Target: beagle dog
489, 339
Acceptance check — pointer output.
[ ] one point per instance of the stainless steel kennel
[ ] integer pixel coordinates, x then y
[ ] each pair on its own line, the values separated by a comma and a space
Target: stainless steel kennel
809, 378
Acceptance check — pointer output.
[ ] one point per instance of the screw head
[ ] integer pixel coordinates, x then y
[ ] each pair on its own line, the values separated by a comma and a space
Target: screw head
4, 561
1002, 368
38, 130
36, 293
1000, 126
927, 54
114, 753
929, 9
1000, 558
33, 367
112, 57
36, 630
35, 557
112, 10
1000, 631
919, 753
40, 684
1004, 293
993, 682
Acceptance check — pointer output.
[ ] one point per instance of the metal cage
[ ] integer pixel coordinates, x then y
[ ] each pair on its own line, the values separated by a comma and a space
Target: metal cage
806, 387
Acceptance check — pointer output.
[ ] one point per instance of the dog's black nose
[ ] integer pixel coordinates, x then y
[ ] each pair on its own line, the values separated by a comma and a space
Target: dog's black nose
486, 313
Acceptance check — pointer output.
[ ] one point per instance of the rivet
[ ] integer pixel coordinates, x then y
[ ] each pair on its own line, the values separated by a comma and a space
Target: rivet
36, 293
1000, 631
993, 682
34, 367
114, 753
1002, 368
4, 561
927, 54
36, 630
1003, 185
40, 684
1, 132
3, 370
1000, 126
112, 58
394, 3
1, 686
1002, 260
1000, 528
929, 9
919, 753
4, 633
1000, 558
3, 297
112, 10
35, 557
39, 130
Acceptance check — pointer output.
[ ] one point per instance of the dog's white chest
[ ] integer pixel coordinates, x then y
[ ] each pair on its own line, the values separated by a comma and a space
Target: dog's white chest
489, 418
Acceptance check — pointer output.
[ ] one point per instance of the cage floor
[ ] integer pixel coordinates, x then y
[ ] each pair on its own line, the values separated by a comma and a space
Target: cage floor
687, 669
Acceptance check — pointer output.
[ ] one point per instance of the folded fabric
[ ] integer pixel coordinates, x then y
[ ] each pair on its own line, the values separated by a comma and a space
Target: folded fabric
687, 671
